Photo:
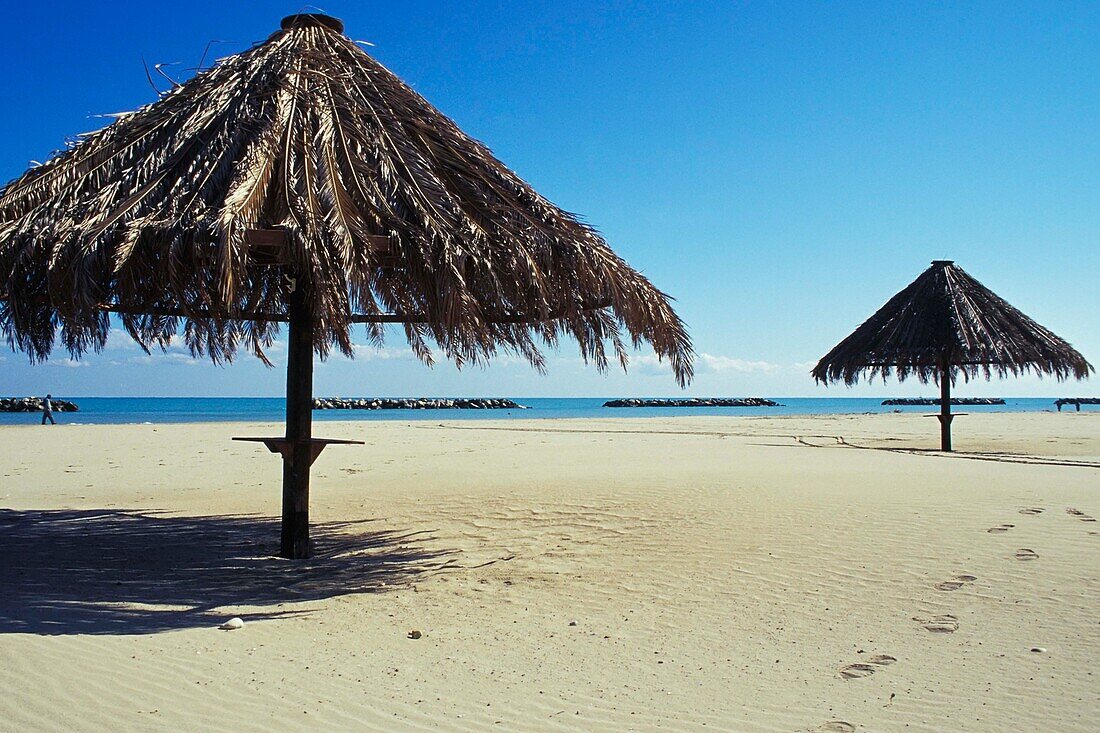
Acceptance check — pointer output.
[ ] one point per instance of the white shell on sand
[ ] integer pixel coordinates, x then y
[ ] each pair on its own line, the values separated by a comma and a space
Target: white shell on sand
234, 623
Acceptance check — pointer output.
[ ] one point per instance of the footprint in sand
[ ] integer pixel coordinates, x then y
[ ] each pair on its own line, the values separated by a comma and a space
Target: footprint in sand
1032, 510
1000, 528
1025, 554
957, 582
943, 624
1080, 515
866, 669
835, 726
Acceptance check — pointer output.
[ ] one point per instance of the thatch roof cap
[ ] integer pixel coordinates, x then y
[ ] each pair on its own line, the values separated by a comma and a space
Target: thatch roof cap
317, 19
151, 217
946, 316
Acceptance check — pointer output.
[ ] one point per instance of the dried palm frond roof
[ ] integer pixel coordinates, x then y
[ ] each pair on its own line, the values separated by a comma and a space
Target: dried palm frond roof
152, 218
947, 317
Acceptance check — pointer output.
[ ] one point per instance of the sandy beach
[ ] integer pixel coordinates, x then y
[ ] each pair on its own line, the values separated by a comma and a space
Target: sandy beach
737, 574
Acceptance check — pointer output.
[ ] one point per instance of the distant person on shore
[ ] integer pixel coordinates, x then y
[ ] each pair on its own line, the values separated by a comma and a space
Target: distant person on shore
47, 410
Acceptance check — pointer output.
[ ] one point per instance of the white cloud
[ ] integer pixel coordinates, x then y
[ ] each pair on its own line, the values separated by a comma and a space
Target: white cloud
648, 364
651, 364
712, 363
511, 360
174, 355
119, 340
369, 352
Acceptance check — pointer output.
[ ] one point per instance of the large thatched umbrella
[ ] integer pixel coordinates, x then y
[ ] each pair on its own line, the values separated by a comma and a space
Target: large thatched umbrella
301, 182
946, 324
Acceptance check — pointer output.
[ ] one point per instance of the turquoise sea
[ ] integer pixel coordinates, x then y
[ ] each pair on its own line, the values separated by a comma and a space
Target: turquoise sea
114, 410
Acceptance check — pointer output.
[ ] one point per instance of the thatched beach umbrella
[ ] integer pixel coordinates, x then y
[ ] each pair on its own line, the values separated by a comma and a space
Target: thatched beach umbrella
301, 182
946, 324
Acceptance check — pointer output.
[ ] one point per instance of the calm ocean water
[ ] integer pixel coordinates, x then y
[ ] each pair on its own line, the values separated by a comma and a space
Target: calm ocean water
114, 410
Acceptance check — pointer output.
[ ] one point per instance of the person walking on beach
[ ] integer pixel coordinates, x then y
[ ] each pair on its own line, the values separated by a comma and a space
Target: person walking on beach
47, 410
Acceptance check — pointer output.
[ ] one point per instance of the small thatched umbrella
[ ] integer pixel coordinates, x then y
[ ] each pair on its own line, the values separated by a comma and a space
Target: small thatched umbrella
301, 182
945, 324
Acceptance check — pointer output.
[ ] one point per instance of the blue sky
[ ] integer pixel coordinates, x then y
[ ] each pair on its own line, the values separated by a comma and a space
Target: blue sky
780, 168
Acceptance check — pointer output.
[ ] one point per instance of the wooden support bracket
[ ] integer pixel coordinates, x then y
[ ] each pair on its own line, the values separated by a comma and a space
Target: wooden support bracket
286, 447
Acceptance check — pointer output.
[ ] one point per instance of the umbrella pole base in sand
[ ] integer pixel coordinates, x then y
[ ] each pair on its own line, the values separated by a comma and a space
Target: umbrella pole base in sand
945, 432
294, 539
945, 409
298, 453
295, 533
298, 448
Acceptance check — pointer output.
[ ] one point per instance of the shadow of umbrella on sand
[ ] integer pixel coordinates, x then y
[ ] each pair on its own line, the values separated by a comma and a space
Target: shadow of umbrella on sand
302, 183
102, 571
946, 324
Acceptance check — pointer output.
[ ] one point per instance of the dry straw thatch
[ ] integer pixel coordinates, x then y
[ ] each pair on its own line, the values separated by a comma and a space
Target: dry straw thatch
150, 218
945, 319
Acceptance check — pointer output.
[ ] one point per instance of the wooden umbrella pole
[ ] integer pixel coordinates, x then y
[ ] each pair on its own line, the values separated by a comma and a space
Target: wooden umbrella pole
945, 406
299, 427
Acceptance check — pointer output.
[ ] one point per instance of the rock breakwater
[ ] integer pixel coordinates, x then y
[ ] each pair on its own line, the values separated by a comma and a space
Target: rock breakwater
34, 404
694, 402
1076, 401
415, 403
954, 401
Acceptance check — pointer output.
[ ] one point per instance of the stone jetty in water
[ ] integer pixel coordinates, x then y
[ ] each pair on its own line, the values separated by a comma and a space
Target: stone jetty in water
34, 404
415, 403
1076, 402
935, 401
694, 402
